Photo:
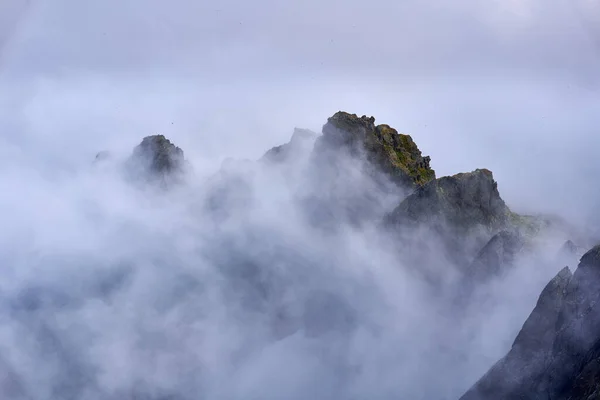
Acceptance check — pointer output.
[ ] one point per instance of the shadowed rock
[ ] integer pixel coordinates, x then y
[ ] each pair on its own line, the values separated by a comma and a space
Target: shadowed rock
301, 141
156, 158
557, 353
460, 213
578, 339
464, 201
529, 357
158, 154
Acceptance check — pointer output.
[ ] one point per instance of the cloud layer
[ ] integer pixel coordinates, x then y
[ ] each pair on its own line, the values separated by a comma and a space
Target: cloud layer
134, 289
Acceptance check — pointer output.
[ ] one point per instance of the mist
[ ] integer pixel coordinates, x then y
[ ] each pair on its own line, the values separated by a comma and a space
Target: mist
114, 291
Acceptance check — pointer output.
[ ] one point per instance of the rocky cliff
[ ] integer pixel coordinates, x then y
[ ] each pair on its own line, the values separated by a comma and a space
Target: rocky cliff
382, 146
356, 174
156, 159
556, 355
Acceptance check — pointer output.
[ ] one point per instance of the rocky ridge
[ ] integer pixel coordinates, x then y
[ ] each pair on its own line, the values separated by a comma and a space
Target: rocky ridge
464, 212
556, 353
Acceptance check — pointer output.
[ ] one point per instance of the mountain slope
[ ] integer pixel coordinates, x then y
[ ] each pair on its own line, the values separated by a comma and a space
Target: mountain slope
557, 352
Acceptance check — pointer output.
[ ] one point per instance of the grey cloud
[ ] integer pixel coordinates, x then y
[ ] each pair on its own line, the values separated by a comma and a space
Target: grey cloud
511, 86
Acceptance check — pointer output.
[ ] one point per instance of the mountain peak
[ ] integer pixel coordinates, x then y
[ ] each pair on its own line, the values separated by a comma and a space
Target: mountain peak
395, 154
156, 158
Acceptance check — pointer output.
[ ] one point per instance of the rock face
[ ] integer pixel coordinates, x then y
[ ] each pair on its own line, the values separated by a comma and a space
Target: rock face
358, 171
557, 353
394, 154
156, 158
460, 213
528, 357
463, 201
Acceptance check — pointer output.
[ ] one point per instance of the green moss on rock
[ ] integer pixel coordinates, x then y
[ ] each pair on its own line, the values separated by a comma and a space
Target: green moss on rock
395, 154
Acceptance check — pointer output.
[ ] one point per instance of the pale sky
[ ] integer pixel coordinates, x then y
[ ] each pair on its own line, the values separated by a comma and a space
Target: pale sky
512, 86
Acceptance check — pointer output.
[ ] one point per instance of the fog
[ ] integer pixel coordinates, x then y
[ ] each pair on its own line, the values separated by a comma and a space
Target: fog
112, 291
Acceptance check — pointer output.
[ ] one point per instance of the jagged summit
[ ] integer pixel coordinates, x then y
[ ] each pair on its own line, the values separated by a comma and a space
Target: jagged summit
156, 158
455, 216
158, 154
393, 153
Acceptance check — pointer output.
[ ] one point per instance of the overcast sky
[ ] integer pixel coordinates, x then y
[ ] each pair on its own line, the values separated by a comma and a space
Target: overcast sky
508, 85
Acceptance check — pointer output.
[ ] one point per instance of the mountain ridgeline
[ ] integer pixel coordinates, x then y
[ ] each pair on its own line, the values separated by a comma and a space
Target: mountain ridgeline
556, 355
455, 234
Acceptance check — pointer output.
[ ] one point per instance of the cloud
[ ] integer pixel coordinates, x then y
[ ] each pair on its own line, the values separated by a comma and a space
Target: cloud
135, 288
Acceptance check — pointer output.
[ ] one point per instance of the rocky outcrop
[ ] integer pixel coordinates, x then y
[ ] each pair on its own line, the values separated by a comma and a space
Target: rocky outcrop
301, 141
556, 355
156, 158
463, 201
394, 154
529, 356
458, 213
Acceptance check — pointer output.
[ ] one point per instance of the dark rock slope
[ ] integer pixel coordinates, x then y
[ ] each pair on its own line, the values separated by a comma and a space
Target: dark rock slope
556, 355
156, 158
464, 201
457, 215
